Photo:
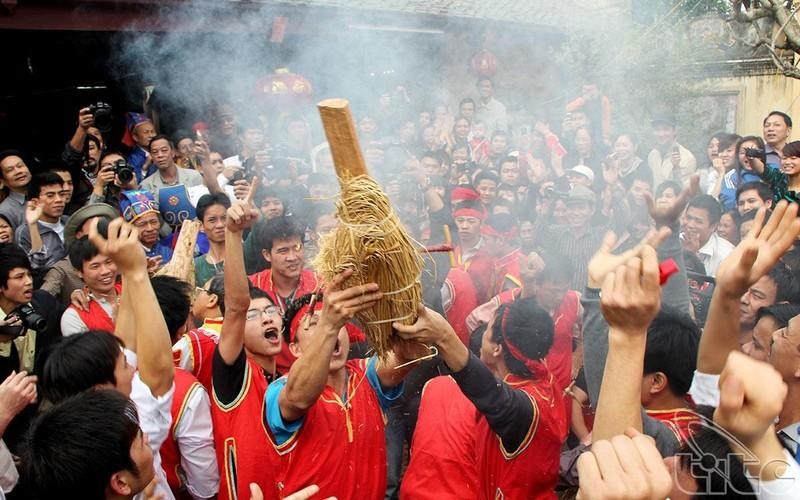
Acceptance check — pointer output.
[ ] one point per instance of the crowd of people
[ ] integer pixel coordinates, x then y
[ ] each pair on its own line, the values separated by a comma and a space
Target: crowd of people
609, 321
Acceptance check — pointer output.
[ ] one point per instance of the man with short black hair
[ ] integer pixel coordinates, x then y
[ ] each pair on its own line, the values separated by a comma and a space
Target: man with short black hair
15, 176
281, 242
81, 364
99, 274
212, 212
668, 159
521, 420
43, 235
700, 232
752, 196
22, 346
168, 174
90, 446
486, 185
777, 129
489, 110
778, 286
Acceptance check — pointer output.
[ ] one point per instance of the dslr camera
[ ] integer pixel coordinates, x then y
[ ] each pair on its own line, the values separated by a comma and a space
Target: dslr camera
756, 153
123, 171
103, 119
28, 316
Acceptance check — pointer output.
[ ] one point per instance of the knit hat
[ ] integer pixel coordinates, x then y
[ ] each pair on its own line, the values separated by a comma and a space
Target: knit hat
136, 203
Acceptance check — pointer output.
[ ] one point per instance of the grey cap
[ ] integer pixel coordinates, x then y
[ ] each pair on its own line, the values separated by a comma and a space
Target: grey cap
581, 194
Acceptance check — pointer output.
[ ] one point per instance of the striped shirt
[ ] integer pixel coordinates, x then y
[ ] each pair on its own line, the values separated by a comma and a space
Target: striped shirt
780, 185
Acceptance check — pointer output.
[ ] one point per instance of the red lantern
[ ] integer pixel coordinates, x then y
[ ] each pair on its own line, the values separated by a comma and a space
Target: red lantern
283, 87
484, 63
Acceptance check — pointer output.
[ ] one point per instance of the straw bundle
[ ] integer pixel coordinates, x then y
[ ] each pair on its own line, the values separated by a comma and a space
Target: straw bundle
371, 240
181, 265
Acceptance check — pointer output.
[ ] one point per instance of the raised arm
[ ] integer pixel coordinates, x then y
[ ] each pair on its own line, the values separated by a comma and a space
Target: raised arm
85, 120
309, 374
596, 333
153, 348
752, 258
242, 215
125, 322
508, 412
631, 298
752, 394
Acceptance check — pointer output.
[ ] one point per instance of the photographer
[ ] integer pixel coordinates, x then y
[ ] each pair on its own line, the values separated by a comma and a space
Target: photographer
109, 182
29, 325
83, 149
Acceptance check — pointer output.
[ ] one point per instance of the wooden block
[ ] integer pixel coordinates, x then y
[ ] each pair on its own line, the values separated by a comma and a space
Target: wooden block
340, 130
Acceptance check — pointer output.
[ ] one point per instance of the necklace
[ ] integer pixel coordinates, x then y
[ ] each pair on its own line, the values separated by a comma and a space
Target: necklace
215, 261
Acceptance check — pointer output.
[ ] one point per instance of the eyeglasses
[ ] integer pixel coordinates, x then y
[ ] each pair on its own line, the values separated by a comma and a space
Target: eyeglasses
254, 314
197, 290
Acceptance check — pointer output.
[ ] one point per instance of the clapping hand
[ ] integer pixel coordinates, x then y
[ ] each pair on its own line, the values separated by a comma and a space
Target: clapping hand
668, 215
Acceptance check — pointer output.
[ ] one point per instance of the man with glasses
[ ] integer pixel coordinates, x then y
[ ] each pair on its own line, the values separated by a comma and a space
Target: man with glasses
139, 208
243, 365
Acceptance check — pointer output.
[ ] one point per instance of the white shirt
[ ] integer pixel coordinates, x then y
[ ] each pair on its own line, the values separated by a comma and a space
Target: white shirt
784, 488
57, 227
705, 389
714, 252
8, 471
195, 435
662, 167
154, 420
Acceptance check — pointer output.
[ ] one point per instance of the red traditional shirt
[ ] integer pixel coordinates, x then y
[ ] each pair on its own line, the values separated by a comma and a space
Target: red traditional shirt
531, 471
443, 462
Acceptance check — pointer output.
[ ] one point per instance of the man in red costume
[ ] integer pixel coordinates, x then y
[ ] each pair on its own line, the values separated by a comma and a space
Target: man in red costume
521, 421
281, 242
470, 255
326, 416
243, 365
500, 237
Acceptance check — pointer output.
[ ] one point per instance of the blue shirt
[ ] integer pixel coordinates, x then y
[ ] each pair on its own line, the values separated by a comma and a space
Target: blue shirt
283, 430
136, 159
160, 250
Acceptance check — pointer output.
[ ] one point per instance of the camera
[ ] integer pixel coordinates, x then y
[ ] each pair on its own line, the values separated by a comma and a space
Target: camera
103, 119
123, 170
30, 318
756, 153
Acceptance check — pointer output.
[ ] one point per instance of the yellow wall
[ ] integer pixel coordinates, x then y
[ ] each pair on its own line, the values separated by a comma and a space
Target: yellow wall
757, 96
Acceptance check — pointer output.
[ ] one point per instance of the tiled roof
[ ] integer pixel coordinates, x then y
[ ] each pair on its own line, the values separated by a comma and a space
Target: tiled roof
554, 13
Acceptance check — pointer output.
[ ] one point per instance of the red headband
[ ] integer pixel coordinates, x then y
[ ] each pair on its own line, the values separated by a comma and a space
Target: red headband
469, 212
298, 317
488, 230
538, 368
462, 193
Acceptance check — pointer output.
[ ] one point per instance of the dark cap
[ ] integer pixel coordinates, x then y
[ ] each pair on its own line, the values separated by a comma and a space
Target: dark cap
663, 119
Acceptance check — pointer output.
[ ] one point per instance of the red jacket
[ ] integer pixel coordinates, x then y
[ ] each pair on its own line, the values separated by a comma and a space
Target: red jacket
531, 471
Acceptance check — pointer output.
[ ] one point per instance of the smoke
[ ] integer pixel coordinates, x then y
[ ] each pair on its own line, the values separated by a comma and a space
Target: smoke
216, 53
